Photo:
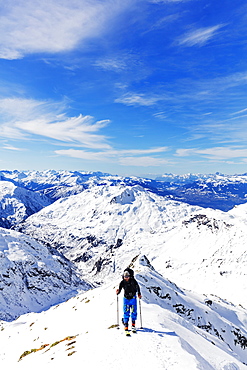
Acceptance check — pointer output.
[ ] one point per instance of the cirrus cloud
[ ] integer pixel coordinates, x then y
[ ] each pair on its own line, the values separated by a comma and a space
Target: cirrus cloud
145, 161
127, 157
52, 26
138, 99
200, 36
27, 118
216, 153
32, 119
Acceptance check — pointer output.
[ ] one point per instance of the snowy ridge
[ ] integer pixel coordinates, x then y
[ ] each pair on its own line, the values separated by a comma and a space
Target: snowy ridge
180, 331
96, 227
90, 233
209, 313
200, 249
31, 277
16, 203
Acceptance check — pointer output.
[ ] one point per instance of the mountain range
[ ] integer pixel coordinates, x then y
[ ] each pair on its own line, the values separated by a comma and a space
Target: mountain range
217, 191
66, 232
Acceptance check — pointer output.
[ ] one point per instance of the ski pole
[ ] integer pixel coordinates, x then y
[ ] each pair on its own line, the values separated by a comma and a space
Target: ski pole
140, 312
117, 313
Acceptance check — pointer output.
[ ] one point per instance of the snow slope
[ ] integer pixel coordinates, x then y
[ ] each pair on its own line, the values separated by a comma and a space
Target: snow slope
99, 230
240, 212
16, 203
31, 277
93, 227
199, 249
181, 331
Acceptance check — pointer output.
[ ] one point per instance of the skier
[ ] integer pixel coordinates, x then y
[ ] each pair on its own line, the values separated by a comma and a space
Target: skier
130, 287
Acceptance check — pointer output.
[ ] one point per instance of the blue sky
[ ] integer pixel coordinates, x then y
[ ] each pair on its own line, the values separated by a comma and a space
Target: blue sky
126, 87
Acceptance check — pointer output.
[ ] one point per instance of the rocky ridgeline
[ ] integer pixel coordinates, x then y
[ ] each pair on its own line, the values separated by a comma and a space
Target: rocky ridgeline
209, 314
32, 277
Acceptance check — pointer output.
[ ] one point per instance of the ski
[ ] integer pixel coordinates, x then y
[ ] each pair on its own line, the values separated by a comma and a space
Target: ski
127, 333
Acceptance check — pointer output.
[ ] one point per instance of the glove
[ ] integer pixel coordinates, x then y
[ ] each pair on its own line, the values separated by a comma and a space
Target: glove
117, 291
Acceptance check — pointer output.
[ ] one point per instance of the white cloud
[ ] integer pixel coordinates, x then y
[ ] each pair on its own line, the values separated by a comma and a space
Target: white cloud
67, 129
112, 64
216, 153
33, 26
224, 152
138, 99
10, 147
83, 154
111, 152
24, 118
142, 151
160, 115
142, 161
184, 152
240, 111
163, 22
122, 61
128, 157
28, 119
200, 36
226, 82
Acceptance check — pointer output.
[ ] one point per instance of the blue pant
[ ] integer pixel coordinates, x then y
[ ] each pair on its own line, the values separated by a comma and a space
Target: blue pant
129, 309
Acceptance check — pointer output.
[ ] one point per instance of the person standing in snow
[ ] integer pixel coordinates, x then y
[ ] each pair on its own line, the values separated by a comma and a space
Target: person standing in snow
131, 288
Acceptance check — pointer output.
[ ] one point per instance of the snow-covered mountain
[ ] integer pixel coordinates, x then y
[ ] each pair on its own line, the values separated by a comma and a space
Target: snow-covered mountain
32, 278
216, 191
17, 203
207, 190
101, 224
221, 192
78, 230
200, 249
53, 184
181, 331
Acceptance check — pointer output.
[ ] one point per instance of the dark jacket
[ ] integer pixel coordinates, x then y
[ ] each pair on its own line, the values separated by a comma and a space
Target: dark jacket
130, 288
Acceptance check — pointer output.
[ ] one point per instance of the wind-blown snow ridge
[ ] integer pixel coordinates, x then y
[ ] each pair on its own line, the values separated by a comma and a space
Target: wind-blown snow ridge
180, 331
210, 313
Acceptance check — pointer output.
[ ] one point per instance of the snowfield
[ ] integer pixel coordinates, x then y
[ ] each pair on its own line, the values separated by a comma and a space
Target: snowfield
83, 331
75, 233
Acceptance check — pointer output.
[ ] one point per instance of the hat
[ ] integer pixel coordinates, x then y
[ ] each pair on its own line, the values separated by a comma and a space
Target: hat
126, 274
